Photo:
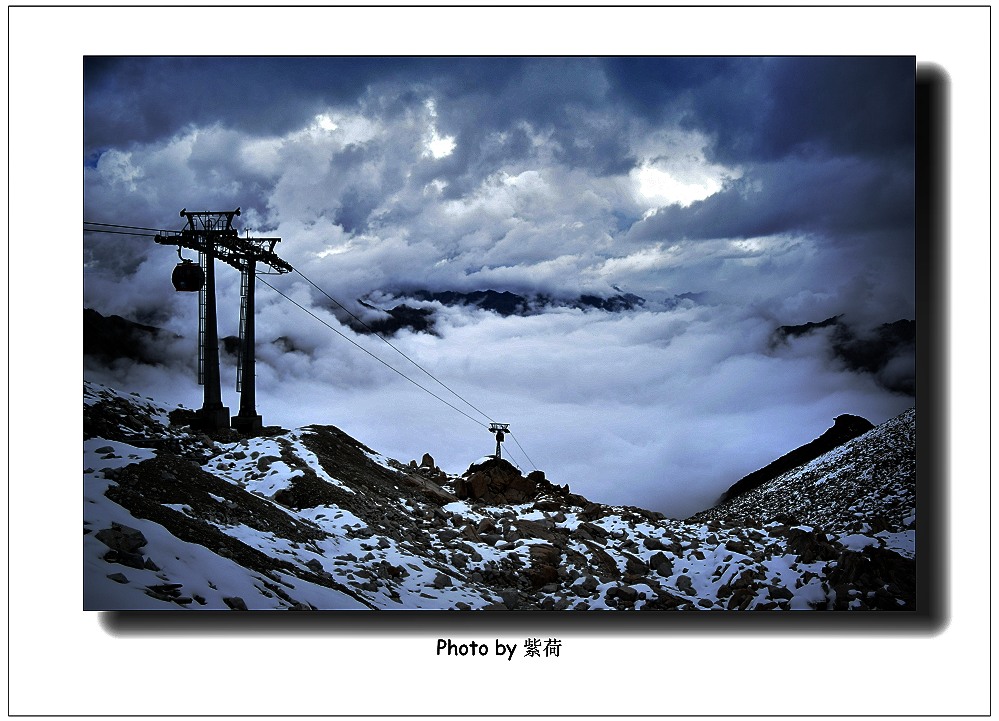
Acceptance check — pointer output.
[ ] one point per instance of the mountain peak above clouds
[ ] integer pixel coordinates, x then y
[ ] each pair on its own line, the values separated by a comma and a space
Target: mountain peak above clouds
310, 518
415, 309
886, 351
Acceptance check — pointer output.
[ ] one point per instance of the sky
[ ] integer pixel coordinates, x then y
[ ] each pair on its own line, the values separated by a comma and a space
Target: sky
734, 194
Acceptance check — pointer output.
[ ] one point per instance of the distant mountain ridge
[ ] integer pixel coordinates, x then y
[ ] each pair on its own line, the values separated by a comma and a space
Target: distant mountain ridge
874, 352
506, 303
404, 316
112, 337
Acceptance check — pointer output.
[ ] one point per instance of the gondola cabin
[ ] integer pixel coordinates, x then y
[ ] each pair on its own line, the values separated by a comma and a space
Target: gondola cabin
188, 277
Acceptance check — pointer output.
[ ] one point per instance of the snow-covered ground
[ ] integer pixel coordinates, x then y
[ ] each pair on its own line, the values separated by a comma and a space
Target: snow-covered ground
310, 519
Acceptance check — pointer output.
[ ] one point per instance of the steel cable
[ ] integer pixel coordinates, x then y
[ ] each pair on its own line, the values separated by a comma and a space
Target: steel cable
395, 370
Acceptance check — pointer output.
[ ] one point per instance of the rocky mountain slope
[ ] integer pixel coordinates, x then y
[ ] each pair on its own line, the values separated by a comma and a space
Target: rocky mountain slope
845, 428
310, 518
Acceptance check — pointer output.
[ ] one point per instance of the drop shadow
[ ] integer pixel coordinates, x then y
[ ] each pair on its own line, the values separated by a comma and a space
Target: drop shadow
932, 503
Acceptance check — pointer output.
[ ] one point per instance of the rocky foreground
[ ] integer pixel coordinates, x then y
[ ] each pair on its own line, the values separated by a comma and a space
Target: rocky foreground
311, 519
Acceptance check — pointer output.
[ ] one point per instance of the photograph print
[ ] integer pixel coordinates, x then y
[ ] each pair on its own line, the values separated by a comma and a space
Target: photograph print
500, 333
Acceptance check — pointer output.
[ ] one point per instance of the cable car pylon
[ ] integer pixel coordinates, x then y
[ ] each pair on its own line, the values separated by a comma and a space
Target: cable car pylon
500, 430
212, 235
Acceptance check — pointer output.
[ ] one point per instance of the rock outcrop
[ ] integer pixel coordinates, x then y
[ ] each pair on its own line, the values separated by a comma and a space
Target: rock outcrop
495, 480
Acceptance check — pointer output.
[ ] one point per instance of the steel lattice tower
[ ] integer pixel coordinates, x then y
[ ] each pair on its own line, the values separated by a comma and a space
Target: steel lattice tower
212, 235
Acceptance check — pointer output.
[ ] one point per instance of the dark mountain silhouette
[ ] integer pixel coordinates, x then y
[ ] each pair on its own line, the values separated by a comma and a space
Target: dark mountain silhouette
872, 351
111, 337
505, 303
419, 320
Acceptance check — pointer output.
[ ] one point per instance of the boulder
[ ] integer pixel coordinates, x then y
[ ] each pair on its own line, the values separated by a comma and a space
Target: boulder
810, 546
133, 560
545, 562
595, 531
684, 584
485, 525
511, 599
654, 544
662, 563
588, 585
121, 538
741, 598
627, 594
736, 547
536, 529
634, 565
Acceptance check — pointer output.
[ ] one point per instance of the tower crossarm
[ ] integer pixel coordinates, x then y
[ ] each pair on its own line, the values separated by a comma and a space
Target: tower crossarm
258, 250
212, 232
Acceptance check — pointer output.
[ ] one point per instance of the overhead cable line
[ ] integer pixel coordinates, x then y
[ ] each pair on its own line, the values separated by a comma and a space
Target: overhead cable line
395, 370
384, 340
522, 450
129, 227
118, 232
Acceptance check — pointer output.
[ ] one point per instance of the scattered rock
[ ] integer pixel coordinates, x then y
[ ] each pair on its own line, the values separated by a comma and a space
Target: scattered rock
684, 584
132, 560
121, 538
511, 599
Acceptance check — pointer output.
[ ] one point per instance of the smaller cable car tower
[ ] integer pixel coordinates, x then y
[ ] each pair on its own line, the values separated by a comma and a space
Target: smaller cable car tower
500, 430
212, 235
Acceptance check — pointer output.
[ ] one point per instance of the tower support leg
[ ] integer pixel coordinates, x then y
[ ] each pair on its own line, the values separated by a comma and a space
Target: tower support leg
213, 415
248, 421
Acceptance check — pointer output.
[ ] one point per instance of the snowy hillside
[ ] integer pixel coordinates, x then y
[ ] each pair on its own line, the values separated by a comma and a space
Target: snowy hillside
310, 518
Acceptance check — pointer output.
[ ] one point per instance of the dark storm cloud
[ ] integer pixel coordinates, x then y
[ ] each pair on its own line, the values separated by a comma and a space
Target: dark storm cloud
763, 109
854, 106
837, 198
141, 99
